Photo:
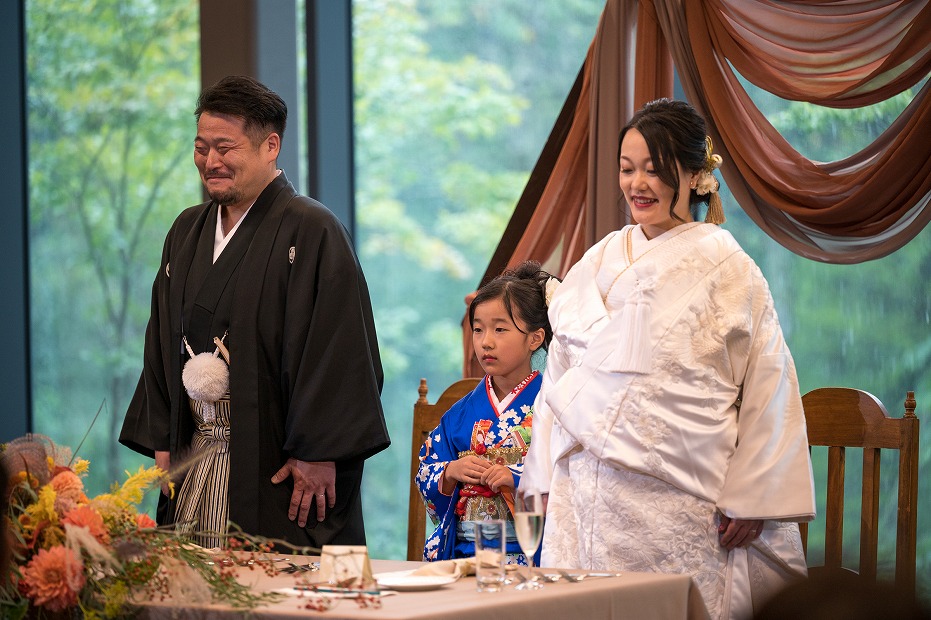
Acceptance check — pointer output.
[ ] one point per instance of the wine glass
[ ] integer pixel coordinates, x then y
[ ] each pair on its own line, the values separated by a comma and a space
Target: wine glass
528, 524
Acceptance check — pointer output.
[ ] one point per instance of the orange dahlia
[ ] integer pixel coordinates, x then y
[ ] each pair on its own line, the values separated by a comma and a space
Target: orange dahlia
144, 521
53, 578
85, 516
69, 490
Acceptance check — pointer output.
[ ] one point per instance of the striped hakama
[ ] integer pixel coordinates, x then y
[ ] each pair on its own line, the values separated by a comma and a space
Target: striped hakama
203, 501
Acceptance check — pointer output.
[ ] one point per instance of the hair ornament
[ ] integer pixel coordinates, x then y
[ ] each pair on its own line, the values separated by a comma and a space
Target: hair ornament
708, 184
550, 288
713, 161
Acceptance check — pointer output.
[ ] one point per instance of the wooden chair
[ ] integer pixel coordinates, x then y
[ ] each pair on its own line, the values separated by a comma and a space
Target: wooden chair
842, 418
426, 418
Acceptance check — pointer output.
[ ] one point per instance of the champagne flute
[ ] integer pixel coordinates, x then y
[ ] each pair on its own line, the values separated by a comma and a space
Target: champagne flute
528, 524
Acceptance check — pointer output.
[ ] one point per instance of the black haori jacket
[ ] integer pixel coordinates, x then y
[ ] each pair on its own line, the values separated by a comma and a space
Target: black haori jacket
305, 373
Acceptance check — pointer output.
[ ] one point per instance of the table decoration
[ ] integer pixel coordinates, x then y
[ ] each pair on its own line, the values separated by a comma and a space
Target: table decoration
75, 556
346, 566
321, 596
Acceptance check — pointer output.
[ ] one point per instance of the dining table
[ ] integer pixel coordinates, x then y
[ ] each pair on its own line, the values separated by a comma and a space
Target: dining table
592, 596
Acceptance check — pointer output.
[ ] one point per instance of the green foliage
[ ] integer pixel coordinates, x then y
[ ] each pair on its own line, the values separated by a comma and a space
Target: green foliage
110, 92
829, 134
453, 103
863, 326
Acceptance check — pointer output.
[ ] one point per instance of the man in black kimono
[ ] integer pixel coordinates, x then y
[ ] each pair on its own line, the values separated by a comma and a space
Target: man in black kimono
272, 277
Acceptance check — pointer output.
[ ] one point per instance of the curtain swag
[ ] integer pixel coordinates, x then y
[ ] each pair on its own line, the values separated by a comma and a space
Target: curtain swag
840, 54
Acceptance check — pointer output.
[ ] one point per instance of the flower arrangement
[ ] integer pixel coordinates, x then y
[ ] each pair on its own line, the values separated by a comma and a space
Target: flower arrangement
99, 557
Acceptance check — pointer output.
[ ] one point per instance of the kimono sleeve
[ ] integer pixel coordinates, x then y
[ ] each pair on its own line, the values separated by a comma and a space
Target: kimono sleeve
538, 463
436, 453
146, 427
769, 475
331, 362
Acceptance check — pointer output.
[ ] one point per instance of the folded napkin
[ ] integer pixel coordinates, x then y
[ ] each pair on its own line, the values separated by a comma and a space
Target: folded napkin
460, 567
452, 568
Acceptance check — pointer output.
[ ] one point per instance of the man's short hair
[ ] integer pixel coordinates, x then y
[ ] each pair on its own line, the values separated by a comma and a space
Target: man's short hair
260, 107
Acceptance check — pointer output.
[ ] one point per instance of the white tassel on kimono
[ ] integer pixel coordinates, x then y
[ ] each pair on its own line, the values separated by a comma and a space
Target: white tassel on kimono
206, 377
634, 350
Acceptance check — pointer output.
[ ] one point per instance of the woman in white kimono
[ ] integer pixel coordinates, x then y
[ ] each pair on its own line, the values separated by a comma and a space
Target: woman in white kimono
669, 433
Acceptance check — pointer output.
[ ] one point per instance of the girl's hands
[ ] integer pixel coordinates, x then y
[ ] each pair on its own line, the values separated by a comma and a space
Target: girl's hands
497, 476
473, 469
467, 470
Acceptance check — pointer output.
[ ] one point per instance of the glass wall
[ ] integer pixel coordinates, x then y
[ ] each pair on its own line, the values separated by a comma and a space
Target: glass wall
866, 326
110, 89
453, 103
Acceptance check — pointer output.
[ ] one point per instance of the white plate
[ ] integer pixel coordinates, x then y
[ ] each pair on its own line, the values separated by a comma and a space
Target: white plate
405, 581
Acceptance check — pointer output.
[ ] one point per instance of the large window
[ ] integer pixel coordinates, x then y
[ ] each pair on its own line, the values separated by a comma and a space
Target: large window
453, 103
110, 91
864, 326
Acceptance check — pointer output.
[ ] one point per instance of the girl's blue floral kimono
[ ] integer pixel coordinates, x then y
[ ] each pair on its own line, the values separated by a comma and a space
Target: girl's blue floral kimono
498, 431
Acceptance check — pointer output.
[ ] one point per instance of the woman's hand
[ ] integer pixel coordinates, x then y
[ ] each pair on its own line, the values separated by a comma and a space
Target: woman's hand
497, 476
467, 470
735, 533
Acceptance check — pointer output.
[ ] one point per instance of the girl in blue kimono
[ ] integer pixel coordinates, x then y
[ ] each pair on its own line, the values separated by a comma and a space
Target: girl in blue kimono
471, 463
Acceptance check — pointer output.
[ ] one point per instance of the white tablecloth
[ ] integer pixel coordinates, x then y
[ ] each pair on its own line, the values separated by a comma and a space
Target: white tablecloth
631, 595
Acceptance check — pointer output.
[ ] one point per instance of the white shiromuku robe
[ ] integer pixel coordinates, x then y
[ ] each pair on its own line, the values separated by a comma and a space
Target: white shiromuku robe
670, 401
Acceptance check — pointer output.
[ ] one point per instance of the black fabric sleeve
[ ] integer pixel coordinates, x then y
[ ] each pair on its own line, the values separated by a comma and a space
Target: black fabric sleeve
332, 366
147, 422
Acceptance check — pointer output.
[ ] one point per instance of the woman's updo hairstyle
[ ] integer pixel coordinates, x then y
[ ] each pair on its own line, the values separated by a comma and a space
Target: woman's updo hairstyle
522, 290
674, 132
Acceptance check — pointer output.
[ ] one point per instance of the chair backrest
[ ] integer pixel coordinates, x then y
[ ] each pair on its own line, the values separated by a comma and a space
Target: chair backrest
426, 418
842, 418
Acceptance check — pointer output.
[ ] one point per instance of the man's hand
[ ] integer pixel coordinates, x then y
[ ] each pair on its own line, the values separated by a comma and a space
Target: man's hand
163, 462
312, 482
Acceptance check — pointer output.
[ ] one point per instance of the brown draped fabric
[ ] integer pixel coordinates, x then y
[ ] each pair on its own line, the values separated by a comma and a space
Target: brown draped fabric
842, 54
833, 53
579, 201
